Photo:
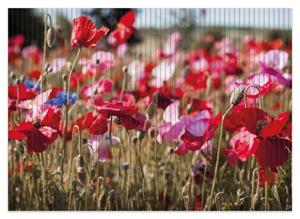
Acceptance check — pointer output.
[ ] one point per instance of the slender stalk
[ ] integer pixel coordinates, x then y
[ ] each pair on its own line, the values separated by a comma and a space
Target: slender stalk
218, 158
64, 148
47, 16
253, 188
44, 181
266, 196
113, 149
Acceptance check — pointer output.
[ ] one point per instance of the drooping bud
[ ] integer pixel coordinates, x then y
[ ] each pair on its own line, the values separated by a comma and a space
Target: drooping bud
237, 95
125, 69
151, 110
51, 37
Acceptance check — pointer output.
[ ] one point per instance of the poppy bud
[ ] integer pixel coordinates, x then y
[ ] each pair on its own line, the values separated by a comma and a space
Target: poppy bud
84, 141
64, 77
81, 174
237, 95
112, 196
100, 179
189, 108
51, 37
21, 148
134, 140
125, 69
256, 201
69, 66
80, 160
155, 98
36, 173
125, 166
152, 133
141, 135
22, 78
12, 75
18, 81
73, 184
151, 110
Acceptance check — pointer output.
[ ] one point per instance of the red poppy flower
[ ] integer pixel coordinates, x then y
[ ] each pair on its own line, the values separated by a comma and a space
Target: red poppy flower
116, 109
273, 152
266, 175
251, 118
99, 126
96, 125
34, 74
196, 80
272, 149
20, 92
39, 133
276, 126
125, 112
199, 105
243, 144
124, 29
85, 33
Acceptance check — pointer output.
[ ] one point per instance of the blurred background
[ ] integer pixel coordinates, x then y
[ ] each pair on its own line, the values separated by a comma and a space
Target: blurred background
151, 22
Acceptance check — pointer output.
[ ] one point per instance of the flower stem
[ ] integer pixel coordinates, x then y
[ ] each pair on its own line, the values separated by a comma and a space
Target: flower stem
113, 149
64, 148
266, 196
44, 181
217, 159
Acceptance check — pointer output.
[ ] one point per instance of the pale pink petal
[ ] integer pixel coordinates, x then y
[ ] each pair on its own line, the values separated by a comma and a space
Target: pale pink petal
171, 113
163, 72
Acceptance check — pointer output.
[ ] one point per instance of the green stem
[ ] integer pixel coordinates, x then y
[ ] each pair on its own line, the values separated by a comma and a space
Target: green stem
66, 115
113, 149
218, 158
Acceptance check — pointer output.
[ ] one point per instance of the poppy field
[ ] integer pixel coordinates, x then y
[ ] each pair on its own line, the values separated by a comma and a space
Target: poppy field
120, 117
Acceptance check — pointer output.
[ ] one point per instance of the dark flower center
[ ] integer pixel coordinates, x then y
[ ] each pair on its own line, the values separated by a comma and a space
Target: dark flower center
37, 123
260, 124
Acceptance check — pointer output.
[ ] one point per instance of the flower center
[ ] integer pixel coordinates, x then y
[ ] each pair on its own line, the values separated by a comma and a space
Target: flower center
37, 123
260, 124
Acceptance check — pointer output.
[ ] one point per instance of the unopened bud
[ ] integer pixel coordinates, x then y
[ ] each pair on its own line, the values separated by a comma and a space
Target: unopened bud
64, 77
134, 140
112, 196
152, 132
151, 110
237, 95
80, 160
81, 174
125, 166
12, 75
141, 135
73, 184
51, 37
125, 69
